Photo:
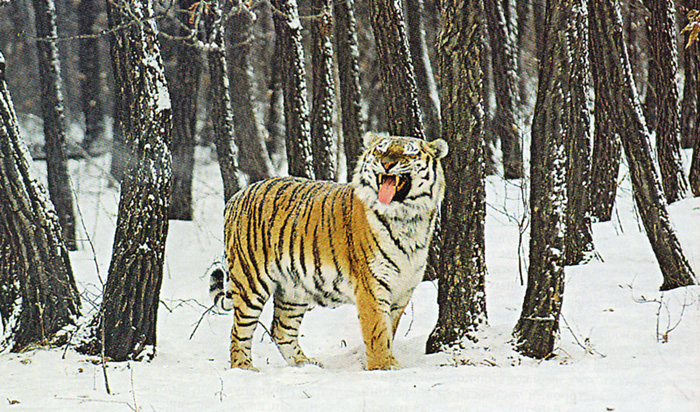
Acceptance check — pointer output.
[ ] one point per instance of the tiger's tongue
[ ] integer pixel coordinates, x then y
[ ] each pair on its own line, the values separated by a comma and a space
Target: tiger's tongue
387, 189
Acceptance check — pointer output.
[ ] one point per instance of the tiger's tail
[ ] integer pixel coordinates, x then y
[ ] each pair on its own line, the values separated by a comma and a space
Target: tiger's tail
217, 276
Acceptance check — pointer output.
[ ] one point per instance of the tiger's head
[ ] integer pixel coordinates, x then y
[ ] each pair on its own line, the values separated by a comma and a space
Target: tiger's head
396, 175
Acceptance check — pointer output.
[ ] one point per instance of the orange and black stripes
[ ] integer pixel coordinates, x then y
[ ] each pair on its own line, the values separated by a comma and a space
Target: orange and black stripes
320, 243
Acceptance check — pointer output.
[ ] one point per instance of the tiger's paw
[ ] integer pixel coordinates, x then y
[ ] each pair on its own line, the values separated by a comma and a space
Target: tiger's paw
303, 361
246, 364
384, 363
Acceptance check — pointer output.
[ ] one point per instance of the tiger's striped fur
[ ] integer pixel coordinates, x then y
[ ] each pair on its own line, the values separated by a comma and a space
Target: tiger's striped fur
312, 242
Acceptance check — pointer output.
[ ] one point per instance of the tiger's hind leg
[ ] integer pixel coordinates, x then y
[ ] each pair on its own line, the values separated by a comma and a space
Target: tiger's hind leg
245, 319
285, 331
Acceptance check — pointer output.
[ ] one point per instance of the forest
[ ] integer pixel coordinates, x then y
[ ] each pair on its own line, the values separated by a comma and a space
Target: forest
572, 194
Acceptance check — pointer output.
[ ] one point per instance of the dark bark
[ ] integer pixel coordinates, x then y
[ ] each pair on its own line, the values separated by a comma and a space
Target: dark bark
607, 148
54, 120
635, 30
296, 108
606, 34
119, 151
538, 13
222, 117
19, 46
131, 296
462, 265
396, 68
253, 158
425, 80
523, 10
694, 176
323, 88
90, 82
503, 64
663, 50
183, 92
38, 295
348, 61
274, 123
579, 237
538, 326
607, 153
690, 105
491, 137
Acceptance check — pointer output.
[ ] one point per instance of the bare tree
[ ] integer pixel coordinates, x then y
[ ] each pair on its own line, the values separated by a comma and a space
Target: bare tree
54, 120
348, 57
504, 62
296, 108
396, 68
422, 68
662, 38
322, 140
462, 265
578, 240
606, 33
127, 319
221, 111
253, 157
90, 81
690, 105
552, 126
38, 296
694, 175
183, 91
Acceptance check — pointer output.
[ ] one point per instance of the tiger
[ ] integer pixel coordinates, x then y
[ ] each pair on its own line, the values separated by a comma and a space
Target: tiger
308, 243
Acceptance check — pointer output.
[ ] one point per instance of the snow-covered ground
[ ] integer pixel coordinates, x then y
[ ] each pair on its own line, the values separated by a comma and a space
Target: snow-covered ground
624, 345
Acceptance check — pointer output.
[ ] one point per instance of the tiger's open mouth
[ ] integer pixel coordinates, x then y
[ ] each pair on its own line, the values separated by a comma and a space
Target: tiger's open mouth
393, 188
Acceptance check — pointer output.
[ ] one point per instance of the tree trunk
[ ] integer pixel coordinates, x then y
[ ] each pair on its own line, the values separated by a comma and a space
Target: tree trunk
523, 11
462, 264
183, 91
579, 234
694, 176
607, 152
323, 145
487, 92
131, 296
396, 68
38, 296
635, 30
222, 116
253, 158
90, 82
274, 123
54, 121
348, 61
607, 148
503, 63
296, 108
662, 31
553, 126
425, 80
606, 34
690, 105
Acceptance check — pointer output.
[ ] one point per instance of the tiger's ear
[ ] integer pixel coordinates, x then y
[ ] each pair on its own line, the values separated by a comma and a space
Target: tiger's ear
369, 138
439, 148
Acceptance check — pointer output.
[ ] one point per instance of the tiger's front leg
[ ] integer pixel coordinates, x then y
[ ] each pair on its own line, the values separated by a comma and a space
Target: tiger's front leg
374, 312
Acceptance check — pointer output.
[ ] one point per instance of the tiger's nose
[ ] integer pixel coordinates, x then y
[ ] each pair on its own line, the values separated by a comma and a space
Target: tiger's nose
388, 163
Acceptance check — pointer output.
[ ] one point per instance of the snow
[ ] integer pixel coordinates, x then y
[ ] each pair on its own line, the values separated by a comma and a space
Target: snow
610, 355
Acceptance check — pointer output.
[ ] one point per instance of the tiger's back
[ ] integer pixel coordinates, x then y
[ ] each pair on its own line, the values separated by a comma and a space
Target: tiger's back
297, 237
310, 242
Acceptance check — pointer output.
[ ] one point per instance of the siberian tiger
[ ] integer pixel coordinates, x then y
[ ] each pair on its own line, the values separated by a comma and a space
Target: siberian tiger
321, 243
